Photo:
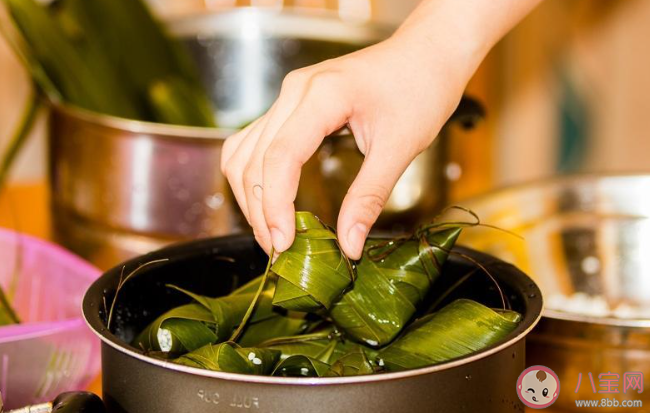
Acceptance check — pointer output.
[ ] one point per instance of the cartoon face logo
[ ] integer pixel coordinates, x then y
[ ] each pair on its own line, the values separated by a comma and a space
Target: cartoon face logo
538, 387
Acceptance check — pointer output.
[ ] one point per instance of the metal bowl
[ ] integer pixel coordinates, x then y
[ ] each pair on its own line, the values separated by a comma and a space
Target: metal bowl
587, 235
134, 383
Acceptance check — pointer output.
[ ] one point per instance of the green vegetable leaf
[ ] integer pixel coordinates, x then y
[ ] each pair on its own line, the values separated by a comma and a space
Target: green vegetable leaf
393, 277
229, 357
313, 273
460, 328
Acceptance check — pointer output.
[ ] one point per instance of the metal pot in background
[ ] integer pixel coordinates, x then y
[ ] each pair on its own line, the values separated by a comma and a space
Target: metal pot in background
122, 188
135, 383
587, 235
244, 54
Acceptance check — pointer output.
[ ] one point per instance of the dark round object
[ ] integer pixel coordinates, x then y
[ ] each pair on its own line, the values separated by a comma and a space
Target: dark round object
134, 383
78, 402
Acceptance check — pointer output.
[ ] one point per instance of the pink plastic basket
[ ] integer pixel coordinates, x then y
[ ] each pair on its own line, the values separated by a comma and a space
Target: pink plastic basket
52, 350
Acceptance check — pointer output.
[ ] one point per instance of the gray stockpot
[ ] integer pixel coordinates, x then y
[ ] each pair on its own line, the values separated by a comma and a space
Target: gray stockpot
134, 383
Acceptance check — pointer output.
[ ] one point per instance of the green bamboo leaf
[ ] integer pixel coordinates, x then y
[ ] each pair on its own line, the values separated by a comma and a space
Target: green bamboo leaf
173, 100
17, 43
153, 66
313, 272
80, 80
228, 311
312, 345
182, 329
462, 327
354, 363
252, 286
393, 277
301, 366
229, 357
277, 326
19, 137
326, 345
7, 314
212, 319
127, 29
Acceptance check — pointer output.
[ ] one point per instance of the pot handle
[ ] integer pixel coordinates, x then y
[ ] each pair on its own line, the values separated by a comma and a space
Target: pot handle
468, 113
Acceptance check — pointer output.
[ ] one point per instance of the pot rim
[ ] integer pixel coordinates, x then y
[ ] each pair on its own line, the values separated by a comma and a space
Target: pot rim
325, 25
562, 181
96, 325
161, 130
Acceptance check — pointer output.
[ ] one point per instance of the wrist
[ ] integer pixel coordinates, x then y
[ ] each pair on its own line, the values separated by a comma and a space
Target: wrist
459, 33
454, 53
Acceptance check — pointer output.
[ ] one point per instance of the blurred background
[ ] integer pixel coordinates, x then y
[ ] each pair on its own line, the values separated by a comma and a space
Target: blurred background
563, 93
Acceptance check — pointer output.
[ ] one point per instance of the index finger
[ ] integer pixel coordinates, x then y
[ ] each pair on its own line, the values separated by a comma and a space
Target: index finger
296, 141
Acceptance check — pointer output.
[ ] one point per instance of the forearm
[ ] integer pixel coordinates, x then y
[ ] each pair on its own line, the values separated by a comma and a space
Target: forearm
461, 32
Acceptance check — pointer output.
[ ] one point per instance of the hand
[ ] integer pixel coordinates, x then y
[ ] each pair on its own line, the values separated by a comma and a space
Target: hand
395, 96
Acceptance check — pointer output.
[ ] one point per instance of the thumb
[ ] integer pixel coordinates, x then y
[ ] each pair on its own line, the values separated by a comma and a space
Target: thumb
367, 196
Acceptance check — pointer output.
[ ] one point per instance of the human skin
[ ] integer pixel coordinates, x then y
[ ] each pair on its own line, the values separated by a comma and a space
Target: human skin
395, 96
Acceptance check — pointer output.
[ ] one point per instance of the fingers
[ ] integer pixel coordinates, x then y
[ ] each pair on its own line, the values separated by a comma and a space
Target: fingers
253, 179
231, 144
263, 163
295, 142
235, 156
368, 195
243, 155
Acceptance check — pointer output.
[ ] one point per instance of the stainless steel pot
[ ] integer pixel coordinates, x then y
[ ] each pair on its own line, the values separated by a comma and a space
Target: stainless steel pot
122, 188
587, 235
244, 54
134, 383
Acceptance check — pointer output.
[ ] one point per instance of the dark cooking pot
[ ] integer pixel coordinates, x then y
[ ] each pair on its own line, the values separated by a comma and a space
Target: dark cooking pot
134, 383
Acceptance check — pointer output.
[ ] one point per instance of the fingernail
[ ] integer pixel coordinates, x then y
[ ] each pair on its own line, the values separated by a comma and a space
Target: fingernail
357, 238
279, 240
